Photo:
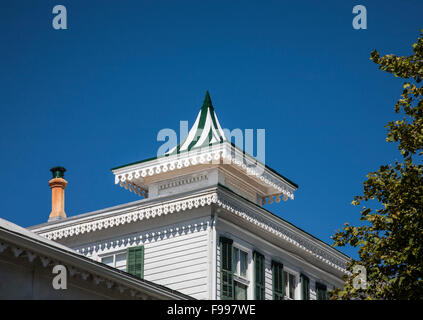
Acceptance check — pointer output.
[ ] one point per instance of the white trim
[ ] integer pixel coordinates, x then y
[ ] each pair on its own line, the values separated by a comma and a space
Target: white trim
126, 176
316, 269
214, 245
210, 258
258, 218
297, 289
126, 241
249, 281
240, 249
134, 215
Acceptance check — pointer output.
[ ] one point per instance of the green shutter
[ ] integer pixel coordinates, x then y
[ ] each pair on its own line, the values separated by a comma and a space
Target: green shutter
226, 269
135, 261
259, 275
321, 292
277, 281
305, 287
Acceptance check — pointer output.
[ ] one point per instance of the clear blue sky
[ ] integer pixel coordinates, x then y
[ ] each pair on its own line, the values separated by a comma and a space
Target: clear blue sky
95, 96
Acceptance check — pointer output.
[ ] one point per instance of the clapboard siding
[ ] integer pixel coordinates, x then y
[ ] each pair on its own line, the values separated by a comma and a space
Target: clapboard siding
176, 268
187, 281
199, 295
169, 251
175, 241
197, 290
157, 263
179, 263
175, 255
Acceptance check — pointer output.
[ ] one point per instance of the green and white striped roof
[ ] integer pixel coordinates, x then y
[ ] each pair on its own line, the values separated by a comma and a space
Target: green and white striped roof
206, 143
205, 132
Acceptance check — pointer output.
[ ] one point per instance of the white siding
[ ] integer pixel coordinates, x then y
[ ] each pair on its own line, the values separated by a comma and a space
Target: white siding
180, 264
175, 255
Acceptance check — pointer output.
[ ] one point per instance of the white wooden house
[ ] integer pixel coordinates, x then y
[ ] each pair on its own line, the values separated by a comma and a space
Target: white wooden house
201, 227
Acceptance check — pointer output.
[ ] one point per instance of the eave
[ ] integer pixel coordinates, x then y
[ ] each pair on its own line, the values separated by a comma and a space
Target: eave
131, 176
254, 215
22, 244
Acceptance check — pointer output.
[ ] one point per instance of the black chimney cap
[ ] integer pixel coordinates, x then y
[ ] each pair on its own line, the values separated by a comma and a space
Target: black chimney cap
58, 172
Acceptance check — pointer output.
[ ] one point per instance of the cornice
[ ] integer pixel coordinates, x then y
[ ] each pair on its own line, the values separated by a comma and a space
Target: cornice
128, 176
151, 236
130, 215
232, 203
264, 220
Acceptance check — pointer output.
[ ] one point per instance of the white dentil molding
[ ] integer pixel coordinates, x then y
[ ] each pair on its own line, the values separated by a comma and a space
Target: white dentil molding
129, 216
123, 242
218, 197
288, 234
125, 176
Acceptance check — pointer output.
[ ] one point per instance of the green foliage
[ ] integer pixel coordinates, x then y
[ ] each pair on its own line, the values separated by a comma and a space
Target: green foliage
390, 237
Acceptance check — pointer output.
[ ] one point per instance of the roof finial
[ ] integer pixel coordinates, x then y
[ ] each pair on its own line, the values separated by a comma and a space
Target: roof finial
207, 101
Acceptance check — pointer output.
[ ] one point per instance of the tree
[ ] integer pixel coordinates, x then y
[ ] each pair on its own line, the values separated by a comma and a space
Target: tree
390, 236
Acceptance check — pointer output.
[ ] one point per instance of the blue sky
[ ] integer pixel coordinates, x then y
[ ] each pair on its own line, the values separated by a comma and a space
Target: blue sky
94, 96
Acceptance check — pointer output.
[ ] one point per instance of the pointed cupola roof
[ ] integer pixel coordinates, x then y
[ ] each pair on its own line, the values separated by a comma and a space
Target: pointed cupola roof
205, 132
205, 158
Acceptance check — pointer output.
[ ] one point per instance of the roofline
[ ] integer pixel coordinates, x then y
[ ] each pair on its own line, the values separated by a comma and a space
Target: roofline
231, 143
82, 262
199, 191
88, 214
286, 221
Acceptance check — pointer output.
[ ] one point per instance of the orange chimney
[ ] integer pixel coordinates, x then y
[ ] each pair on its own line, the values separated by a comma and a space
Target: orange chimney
57, 185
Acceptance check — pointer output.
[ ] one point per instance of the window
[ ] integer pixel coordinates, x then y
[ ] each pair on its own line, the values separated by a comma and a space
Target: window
305, 287
240, 264
234, 282
321, 292
289, 285
135, 261
240, 291
234, 278
226, 269
116, 260
259, 275
277, 280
